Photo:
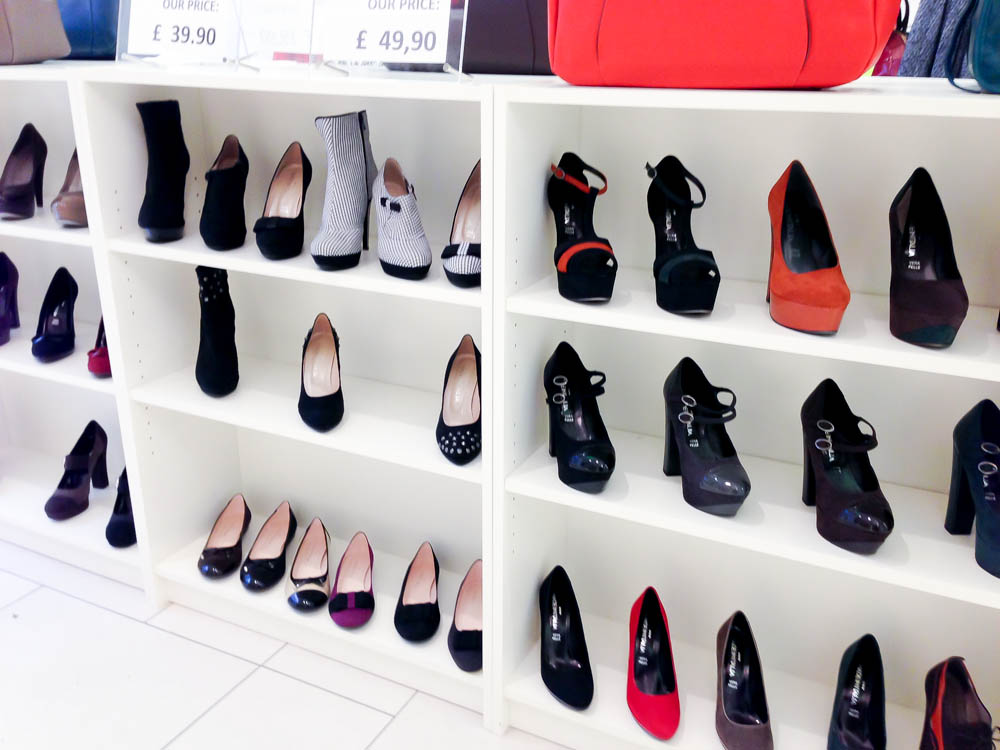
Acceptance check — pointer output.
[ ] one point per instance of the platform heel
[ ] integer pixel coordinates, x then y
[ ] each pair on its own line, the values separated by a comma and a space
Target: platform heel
586, 266
671, 456
975, 483
99, 476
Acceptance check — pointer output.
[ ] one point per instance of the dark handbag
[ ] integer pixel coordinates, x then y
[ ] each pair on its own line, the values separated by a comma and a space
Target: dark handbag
506, 36
91, 27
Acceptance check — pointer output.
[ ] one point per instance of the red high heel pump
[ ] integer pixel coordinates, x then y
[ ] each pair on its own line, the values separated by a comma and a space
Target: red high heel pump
652, 683
805, 287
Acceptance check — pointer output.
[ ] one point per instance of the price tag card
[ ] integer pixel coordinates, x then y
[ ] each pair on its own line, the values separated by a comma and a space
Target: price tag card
383, 31
185, 30
274, 31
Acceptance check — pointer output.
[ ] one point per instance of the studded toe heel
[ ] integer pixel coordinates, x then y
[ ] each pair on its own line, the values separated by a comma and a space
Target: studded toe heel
460, 424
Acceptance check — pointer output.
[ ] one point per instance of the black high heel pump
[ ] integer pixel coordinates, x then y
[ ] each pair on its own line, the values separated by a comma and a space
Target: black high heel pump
578, 439
565, 661
55, 335
687, 277
585, 263
858, 720
697, 444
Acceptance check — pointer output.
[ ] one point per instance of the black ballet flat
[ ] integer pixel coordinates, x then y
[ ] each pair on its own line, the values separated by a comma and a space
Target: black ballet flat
224, 547
417, 613
265, 563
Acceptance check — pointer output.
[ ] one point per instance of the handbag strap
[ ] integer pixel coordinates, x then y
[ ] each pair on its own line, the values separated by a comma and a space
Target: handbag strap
959, 48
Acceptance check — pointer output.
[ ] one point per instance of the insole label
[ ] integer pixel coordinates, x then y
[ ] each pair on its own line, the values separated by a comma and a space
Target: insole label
859, 689
735, 659
643, 659
668, 228
554, 620
912, 264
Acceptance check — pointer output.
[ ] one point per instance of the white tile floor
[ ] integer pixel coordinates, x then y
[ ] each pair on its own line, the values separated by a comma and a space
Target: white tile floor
86, 663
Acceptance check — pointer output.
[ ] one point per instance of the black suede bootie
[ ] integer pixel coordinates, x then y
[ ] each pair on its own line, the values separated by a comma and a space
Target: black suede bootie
223, 220
161, 215
216, 370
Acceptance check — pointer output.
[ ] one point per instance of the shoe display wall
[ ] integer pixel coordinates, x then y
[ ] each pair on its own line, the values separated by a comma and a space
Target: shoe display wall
467, 408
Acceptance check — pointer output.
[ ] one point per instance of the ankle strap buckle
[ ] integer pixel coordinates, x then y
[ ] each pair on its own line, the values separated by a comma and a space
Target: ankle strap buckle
560, 174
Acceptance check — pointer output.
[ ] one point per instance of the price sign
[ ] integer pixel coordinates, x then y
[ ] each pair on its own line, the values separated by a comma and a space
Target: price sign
190, 30
384, 31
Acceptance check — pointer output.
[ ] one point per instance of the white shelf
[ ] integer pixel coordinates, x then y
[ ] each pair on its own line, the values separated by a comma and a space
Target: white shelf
44, 228
799, 709
367, 276
918, 555
15, 356
385, 422
741, 318
27, 480
925, 97
376, 646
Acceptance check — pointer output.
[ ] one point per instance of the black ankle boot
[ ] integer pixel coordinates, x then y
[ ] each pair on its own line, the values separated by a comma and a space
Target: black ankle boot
162, 212
216, 370
223, 220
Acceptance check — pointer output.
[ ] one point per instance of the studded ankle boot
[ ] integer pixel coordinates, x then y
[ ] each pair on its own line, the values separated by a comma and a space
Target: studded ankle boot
216, 370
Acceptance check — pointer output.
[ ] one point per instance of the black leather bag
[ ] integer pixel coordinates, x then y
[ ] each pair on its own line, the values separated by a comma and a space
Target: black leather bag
506, 36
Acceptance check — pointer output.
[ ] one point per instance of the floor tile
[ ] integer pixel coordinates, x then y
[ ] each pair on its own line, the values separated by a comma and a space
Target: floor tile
270, 710
13, 588
76, 675
103, 592
340, 678
216, 633
431, 724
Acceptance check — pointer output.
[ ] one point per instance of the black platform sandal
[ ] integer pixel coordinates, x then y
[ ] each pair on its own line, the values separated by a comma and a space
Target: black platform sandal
578, 439
585, 263
687, 277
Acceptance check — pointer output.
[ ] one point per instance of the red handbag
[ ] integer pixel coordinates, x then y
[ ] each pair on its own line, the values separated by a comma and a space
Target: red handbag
717, 43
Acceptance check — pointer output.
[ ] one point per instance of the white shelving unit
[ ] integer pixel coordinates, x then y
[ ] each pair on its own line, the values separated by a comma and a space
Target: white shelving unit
922, 594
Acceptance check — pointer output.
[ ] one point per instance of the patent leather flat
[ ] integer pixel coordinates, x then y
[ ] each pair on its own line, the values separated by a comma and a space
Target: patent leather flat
308, 584
265, 563
224, 546
565, 661
417, 612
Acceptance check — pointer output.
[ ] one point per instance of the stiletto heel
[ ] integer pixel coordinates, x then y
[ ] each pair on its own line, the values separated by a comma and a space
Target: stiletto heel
462, 257
712, 478
55, 335
69, 207
565, 660
21, 180
806, 288
99, 477
577, 436
742, 719
927, 299
851, 511
8, 298
459, 430
651, 691
98, 361
687, 277
40, 171
961, 508
975, 483
321, 393
585, 263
